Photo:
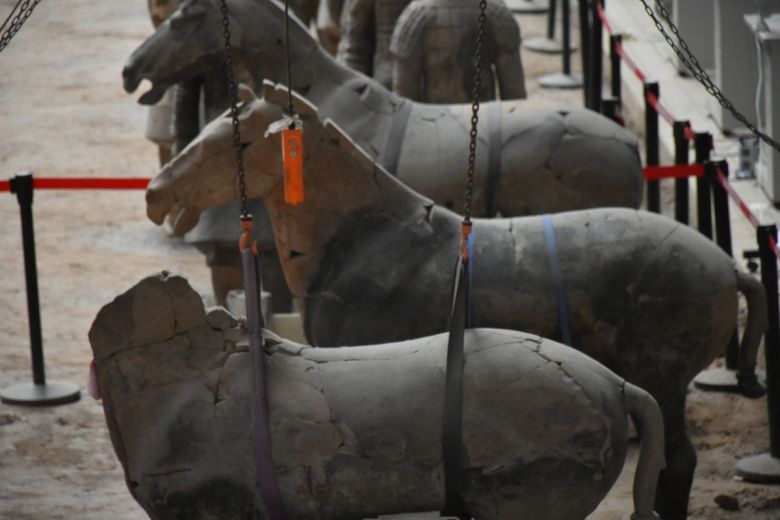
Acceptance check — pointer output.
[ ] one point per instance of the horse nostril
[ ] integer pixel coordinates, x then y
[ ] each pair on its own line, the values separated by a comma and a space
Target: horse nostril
129, 80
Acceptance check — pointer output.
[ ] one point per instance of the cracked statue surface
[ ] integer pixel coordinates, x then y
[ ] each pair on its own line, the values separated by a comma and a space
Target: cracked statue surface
567, 158
370, 261
355, 432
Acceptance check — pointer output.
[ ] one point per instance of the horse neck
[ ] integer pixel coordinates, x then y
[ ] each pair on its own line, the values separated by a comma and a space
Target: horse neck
339, 191
315, 73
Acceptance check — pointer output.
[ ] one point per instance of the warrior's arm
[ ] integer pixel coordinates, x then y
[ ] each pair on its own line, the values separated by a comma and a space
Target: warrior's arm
408, 78
358, 32
511, 79
509, 65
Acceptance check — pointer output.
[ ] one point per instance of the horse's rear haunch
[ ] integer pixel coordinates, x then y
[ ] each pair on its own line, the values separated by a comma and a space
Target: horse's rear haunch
356, 432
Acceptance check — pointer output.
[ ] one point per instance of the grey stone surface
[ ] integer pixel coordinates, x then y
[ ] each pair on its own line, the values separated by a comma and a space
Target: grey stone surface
371, 261
355, 432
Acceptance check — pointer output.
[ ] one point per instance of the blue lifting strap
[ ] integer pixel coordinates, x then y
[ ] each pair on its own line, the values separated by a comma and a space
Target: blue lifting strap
560, 293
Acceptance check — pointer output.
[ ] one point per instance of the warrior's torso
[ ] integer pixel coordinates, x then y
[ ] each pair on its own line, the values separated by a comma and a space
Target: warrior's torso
441, 35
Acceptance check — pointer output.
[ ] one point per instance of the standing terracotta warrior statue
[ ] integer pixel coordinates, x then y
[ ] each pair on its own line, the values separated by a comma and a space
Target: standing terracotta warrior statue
366, 29
433, 48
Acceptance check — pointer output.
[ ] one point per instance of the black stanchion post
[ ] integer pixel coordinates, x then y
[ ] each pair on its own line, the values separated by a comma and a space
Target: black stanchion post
565, 79
721, 379
652, 146
765, 468
547, 44
610, 107
703, 147
596, 58
585, 49
615, 41
681, 209
40, 392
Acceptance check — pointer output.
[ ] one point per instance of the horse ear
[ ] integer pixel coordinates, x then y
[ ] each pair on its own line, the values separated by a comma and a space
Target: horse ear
347, 145
277, 94
245, 93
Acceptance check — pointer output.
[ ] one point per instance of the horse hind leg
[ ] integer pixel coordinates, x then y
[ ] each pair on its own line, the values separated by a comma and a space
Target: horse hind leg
674, 483
757, 323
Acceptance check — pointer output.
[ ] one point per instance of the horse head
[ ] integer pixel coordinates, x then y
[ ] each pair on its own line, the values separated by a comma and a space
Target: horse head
188, 43
204, 173
191, 42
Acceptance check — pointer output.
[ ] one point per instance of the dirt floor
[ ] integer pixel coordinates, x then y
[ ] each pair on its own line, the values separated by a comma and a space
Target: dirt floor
63, 113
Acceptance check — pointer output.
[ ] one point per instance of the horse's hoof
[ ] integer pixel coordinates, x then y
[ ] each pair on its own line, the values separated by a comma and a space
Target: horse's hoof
748, 385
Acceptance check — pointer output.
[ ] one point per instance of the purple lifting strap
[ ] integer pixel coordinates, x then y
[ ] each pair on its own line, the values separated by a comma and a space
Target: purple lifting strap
267, 484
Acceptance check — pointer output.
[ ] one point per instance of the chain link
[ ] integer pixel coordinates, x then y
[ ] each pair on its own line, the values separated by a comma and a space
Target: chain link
475, 90
690, 61
234, 108
25, 8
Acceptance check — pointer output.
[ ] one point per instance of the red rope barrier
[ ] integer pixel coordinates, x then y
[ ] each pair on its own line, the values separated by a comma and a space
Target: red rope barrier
630, 63
656, 173
603, 17
662, 110
735, 197
84, 183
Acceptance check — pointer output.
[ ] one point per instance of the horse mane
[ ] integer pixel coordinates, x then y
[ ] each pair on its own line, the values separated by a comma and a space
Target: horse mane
277, 94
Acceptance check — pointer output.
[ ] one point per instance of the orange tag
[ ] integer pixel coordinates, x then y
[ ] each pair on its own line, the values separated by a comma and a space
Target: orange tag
292, 160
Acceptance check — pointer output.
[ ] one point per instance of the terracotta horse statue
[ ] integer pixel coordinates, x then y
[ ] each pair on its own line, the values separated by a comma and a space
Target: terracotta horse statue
356, 432
530, 161
370, 261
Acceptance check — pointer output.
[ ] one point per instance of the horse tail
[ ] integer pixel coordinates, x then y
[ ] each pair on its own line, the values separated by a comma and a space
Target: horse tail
757, 323
646, 414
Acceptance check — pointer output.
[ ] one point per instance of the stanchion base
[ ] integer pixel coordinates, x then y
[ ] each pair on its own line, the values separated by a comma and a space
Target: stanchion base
560, 80
763, 469
545, 45
52, 393
528, 6
722, 380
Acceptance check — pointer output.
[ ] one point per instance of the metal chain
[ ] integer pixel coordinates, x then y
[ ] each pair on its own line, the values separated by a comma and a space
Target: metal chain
475, 89
26, 8
289, 61
234, 107
690, 61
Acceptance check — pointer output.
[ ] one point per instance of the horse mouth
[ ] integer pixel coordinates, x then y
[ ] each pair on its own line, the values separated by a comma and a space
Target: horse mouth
131, 81
153, 95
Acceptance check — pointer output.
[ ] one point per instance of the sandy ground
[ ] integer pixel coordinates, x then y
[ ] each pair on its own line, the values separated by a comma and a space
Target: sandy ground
63, 113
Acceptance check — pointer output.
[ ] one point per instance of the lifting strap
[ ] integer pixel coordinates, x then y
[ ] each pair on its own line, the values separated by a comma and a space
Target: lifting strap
452, 418
560, 292
395, 137
267, 484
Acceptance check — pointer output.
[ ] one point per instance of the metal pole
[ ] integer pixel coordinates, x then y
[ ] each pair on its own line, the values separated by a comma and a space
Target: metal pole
652, 148
22, 186
563, 79
584, 47
551, 15
772, 337
703, 147
39, 392
681, 157
765, 468
610, 107
721, 379
596, 57
615, 41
